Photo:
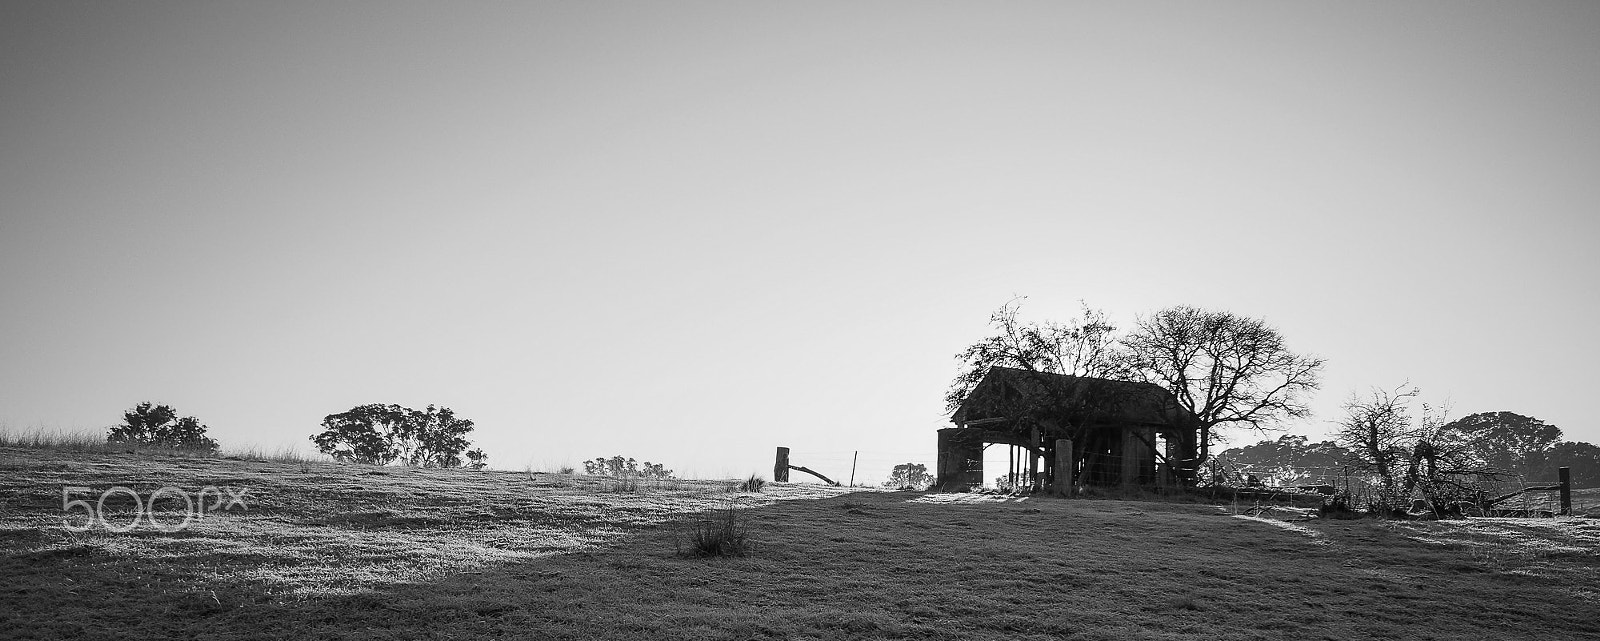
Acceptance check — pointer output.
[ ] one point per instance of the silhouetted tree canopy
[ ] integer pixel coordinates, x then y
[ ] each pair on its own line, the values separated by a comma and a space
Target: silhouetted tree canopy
159, 425
909, 476
383, 434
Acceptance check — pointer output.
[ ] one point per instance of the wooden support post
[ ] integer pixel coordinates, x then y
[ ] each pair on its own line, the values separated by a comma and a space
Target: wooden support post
1128, 463
1064, 472
780, 469
1565, 474
1011, 465
1033, 459
943, 468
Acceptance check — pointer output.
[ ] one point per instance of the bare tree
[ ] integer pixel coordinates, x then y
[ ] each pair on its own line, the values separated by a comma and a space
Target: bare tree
1082, 346
1227, 370
1378, 429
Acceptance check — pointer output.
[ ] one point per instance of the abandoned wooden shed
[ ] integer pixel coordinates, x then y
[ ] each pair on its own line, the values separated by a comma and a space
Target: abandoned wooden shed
1085, 431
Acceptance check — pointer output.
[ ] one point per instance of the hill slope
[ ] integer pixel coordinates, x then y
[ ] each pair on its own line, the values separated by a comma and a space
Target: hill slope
322, 550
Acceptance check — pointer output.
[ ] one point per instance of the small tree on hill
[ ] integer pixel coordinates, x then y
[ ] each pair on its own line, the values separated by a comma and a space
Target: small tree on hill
159, 425
478, 458
382, 434
909, 476
364, 434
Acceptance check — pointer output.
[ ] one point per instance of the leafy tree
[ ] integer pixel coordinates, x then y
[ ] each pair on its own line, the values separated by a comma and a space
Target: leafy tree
364, 434
909, 476
1508, 442
1227, 370
436, 438
159, 425
382, 434
478, 458
1582, 459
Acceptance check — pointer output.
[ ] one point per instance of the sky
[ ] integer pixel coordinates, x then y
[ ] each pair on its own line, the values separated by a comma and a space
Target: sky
690, 232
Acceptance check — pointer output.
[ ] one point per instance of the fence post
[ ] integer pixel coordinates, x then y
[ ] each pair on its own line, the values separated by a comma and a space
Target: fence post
780, 469
1565, 475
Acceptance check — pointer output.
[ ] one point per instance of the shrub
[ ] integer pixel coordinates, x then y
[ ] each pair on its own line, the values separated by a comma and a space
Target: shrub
618, 466
714, 532
753, 484
160, 426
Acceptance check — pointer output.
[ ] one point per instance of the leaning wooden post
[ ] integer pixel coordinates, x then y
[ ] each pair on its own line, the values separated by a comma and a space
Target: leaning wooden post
1064, 471
1565, 474
780, 469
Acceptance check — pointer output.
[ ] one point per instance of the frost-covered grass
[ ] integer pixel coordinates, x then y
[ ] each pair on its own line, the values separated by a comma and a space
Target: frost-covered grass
344, 551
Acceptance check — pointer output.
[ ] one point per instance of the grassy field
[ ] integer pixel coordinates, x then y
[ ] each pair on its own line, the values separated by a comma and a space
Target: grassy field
341, 551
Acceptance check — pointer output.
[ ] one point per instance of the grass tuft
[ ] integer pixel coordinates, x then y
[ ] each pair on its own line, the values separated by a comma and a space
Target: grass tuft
753, 484
713, 533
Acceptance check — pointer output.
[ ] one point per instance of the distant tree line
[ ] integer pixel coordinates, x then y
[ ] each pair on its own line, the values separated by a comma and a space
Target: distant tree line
1379, 437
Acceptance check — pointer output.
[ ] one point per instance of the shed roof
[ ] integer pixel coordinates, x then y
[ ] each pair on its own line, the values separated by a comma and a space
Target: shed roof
1018, 393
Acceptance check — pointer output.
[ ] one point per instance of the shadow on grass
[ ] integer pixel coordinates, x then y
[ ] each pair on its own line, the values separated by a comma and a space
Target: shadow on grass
415, 557
867, 566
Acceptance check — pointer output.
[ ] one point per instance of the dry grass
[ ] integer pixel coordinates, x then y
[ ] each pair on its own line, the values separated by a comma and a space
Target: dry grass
713, 532
327, 550
280, 455
87, 441
79, 440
